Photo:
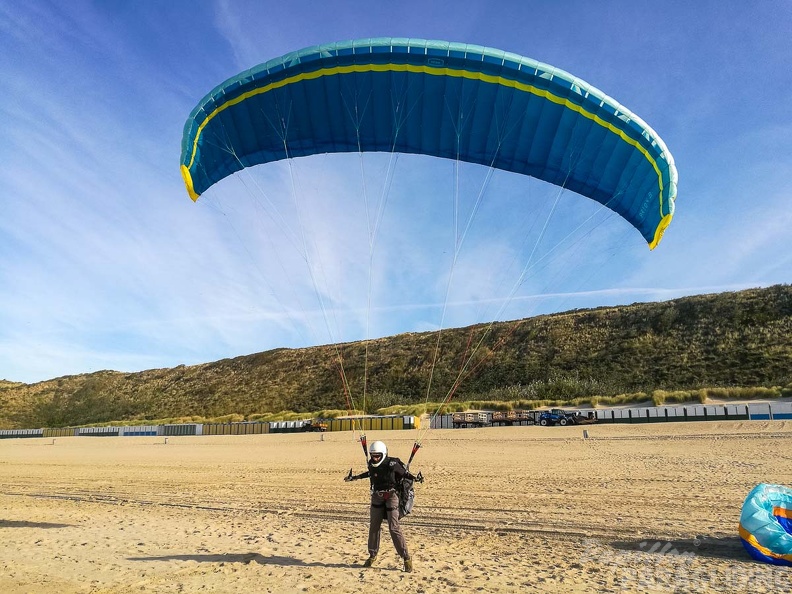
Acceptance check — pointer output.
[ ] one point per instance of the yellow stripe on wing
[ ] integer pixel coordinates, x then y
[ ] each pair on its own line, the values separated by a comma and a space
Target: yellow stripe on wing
436, 71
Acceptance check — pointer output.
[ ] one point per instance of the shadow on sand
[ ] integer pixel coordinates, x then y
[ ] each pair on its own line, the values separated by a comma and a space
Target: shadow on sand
245, 558
22, 524
730, 548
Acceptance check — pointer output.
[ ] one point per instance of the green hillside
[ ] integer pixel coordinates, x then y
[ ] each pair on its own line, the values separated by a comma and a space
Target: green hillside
730, 339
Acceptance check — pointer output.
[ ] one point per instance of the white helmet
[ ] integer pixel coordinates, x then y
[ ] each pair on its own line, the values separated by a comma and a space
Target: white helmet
378, 448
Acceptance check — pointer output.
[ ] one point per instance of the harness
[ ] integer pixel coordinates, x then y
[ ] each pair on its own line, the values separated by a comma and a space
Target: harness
385, 496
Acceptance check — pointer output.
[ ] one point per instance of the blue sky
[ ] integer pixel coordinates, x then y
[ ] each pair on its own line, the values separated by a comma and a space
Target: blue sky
105, 263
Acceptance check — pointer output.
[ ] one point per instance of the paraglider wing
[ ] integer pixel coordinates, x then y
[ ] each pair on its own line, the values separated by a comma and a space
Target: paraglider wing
766, 524
437, 98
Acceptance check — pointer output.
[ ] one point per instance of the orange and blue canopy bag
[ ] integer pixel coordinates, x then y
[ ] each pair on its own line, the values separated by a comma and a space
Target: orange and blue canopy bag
766, 524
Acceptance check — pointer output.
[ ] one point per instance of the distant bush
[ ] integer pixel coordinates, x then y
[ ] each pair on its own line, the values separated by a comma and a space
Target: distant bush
738, 393
434, 408
415, 410
334, 414
660, 397
259, 417
288, 415
232, 418
622, 399
491, 405
381, 399
443, 408
283, 415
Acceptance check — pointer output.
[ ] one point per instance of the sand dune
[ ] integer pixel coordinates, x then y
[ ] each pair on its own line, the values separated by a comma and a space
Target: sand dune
634, 508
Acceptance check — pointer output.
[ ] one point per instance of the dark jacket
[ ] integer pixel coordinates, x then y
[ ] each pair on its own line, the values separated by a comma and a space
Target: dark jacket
387, 475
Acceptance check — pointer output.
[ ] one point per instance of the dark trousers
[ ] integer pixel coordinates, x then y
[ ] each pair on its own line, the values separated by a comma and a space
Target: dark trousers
382, 508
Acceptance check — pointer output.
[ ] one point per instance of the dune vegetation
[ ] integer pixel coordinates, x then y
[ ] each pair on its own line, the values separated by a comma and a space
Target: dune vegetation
735, 345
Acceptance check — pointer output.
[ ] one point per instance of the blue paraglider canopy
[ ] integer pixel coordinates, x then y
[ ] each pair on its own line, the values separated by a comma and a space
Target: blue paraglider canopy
448, 100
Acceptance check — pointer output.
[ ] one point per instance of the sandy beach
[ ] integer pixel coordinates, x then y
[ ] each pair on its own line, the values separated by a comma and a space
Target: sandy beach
633, 508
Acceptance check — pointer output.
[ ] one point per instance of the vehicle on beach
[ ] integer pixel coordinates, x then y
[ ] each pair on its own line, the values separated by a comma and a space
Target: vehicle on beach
556, 416
588, 419
313, 425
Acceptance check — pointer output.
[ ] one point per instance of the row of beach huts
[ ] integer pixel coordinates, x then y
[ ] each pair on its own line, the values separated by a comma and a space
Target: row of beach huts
652, 414
371, 423
763, 411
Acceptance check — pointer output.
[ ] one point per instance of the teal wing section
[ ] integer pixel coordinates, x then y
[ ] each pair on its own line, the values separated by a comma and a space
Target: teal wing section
766, 524
448, 100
